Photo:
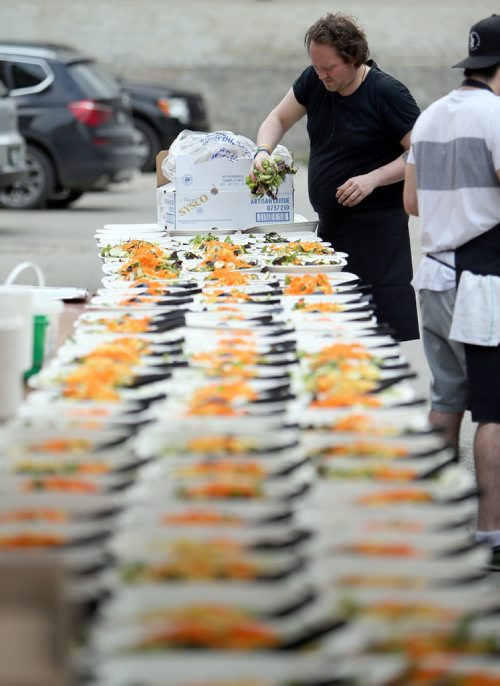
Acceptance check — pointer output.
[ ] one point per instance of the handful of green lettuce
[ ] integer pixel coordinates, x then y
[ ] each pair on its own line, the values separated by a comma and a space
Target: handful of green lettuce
268, 181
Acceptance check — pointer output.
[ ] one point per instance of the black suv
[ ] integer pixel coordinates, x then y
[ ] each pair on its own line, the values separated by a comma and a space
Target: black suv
75, 119
161, 113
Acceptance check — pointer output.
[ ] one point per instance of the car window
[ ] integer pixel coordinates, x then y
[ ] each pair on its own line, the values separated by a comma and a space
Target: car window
27, 74
24, 75
94, 80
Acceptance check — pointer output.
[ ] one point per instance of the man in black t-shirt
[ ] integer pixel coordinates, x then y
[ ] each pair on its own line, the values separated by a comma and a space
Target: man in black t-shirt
359, 121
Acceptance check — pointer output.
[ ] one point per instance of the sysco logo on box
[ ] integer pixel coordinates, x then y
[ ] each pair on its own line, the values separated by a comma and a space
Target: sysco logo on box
193, 204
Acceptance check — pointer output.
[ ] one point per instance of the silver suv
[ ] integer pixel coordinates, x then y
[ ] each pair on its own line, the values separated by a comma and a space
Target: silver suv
12, 147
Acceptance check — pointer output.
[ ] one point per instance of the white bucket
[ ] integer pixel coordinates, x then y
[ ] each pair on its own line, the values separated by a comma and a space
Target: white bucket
12, 357
15, 303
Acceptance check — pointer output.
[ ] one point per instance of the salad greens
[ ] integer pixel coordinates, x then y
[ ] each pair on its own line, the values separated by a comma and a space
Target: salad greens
268, 181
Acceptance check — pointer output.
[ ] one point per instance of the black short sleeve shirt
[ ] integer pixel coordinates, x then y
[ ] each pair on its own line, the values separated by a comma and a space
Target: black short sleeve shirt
354, 134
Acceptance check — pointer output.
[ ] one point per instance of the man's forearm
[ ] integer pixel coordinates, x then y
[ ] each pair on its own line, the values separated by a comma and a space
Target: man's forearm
270, 132
389, 173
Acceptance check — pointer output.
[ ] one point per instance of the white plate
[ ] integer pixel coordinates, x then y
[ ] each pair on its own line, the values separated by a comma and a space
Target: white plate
134, 605
116, 237
290, 227
221, 320
357, 468
400, 394
198, 232
258, 239
135, 227
113, 267
419, 445
391, 424
89, 317
171, 443
306, 269
17, 483
379, 346
335, 278
325, 322
112, 282
172, 291
275, 250
20, 437
206, 668
160, 543
233, 515
254, 276
118, 253
452, 482
254, 264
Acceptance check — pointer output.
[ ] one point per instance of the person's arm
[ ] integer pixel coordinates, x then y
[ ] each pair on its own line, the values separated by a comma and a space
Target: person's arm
356, 188
410, 199
276, 124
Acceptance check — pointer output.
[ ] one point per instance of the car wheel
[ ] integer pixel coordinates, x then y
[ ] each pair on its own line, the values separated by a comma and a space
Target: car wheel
149, 142
63, 198
32, 191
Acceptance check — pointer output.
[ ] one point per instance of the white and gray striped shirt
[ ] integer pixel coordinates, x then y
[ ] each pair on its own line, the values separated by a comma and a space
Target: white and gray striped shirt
456, 150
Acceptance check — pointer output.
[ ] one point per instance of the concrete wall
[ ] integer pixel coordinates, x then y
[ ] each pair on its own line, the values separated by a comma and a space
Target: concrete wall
243, 55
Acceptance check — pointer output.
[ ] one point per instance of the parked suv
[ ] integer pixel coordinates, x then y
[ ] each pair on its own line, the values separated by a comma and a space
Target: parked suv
161, 113
12, 149
75, 119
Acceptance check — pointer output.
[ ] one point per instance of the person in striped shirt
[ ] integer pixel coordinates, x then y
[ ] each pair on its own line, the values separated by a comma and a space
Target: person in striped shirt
452, 183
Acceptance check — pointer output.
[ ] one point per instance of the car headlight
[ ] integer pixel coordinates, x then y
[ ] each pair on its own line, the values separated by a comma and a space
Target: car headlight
174, 107
16, 156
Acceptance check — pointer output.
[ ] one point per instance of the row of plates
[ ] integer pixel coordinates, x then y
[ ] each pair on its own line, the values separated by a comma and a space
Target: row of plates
355, 556
206, 527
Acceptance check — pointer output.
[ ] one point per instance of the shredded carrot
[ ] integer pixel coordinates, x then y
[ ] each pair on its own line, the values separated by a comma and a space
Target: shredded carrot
59, 483
402, 495
33, 515
30, 540
201, 518
126, 324
303, 306
389, 549
307, 284
224, 487
60, 445
228, 277
211, 626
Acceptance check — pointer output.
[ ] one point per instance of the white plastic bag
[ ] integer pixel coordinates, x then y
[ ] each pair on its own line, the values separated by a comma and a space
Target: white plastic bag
213, 145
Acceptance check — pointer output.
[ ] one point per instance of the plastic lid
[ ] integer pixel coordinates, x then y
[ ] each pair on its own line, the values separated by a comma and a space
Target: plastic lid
43, 305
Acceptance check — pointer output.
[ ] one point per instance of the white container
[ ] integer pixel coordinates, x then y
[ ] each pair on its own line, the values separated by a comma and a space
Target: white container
12, 356
15, 303
52, 309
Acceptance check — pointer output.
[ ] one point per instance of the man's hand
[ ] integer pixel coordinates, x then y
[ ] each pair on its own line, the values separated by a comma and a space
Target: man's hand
354, 190
257, 163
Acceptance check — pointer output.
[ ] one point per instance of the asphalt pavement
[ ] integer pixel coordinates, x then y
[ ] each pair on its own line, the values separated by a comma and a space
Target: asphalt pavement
62, 243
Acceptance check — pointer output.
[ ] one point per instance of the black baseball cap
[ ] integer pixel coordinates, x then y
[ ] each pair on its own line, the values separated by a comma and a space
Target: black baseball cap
484, 44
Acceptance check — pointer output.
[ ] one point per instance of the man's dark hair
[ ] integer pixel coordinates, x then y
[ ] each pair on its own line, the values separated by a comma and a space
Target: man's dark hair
487, 73
342, 33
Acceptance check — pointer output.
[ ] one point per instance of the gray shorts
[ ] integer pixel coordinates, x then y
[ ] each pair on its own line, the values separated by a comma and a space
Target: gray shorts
446, 359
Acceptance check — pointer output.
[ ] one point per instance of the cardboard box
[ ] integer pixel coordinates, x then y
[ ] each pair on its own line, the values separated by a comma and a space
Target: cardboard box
34, 621
213, 194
